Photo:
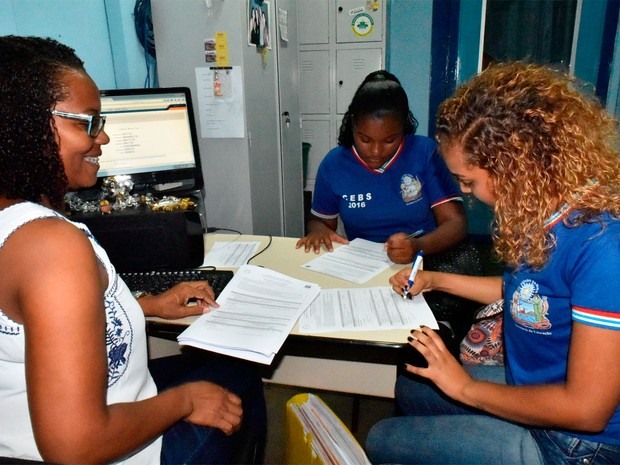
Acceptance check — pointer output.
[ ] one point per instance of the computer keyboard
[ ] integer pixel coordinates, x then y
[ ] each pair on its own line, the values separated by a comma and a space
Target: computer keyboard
156, 282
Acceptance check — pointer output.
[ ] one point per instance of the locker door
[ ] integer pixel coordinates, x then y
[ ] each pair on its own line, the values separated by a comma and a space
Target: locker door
314, 78
359, 23
313, 22
352, 66
317, 133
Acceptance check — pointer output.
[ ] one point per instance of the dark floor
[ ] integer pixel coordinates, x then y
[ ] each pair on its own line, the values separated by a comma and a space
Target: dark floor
369, 411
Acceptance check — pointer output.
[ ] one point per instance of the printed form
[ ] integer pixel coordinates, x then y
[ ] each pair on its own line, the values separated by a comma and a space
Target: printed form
365, 309
230, 254
358, 261
258, 309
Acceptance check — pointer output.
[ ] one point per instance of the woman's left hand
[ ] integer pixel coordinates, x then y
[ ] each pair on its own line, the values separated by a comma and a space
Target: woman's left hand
184, 299
443, 369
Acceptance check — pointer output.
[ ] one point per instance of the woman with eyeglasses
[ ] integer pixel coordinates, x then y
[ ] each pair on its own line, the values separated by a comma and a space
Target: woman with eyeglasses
76, 385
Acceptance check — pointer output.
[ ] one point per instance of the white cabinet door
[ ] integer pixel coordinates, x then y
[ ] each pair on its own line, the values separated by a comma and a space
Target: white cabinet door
352, 66
313, 21
314, 78
317, 134
359, 21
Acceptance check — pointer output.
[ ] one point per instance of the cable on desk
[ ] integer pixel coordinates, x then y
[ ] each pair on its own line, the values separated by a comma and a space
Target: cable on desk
212, 230
260, 252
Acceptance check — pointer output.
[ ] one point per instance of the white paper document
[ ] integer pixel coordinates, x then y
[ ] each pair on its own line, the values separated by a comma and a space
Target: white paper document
358, 261
230, 254
258, 309
220, 116
365, 309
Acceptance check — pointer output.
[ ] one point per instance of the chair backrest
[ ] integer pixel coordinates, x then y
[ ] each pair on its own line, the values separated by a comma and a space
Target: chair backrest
464, 258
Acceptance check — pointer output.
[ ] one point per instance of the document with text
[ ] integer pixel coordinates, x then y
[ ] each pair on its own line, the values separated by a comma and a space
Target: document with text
358, 261
365, 309
258, 309
224, 254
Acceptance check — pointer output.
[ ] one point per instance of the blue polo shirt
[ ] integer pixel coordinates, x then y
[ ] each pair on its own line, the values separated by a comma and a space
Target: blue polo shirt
375, 204
577, 285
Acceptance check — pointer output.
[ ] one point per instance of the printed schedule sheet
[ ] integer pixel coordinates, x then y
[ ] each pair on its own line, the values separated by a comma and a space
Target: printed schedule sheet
365, 309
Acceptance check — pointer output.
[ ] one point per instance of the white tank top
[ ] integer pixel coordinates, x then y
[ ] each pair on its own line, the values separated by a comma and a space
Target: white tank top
128, 376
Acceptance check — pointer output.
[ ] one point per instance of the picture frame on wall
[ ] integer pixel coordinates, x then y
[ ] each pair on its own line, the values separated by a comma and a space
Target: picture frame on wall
259, 23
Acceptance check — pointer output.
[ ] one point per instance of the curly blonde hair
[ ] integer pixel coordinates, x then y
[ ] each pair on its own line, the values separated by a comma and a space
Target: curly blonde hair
545, 146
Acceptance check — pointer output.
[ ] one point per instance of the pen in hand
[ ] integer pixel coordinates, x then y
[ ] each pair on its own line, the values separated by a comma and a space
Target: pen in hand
417, 263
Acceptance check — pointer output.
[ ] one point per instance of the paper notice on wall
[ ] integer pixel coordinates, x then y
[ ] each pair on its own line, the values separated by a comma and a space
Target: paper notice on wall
220, 102
283, 24
221, 47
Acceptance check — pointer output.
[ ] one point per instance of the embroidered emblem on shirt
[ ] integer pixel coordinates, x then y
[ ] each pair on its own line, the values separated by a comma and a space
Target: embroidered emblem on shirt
410, 188
119, 336
528, 308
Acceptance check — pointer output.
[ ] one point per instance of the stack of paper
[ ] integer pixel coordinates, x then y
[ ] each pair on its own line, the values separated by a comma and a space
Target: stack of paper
364, 309
358, 261
258, 309
315, 435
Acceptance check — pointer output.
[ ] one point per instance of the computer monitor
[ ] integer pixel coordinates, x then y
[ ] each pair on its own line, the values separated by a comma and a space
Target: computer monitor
152, 138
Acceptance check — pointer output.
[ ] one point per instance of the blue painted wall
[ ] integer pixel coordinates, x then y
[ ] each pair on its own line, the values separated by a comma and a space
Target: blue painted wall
101, 32
408, 52
408, 56
586, 59
469, 39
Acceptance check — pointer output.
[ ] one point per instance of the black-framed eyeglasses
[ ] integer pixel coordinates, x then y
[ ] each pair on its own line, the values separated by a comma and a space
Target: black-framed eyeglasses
95, 122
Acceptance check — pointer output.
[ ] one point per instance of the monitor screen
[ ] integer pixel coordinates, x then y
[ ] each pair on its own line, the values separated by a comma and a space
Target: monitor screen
152, 137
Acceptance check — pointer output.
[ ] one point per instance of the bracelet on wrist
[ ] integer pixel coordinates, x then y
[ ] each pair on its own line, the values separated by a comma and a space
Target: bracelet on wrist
139, 294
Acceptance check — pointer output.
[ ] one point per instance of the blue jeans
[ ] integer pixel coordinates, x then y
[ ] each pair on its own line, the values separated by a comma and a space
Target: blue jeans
562, 449
438, 430
186, 443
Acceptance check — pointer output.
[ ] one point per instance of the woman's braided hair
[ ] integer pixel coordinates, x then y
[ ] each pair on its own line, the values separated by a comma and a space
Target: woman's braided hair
379, 95
31, 82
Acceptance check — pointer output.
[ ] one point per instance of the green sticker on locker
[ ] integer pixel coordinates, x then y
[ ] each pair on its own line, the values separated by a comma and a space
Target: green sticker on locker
362, 24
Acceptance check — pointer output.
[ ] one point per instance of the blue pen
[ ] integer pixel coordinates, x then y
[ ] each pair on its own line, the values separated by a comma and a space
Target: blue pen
418, 233
417, 263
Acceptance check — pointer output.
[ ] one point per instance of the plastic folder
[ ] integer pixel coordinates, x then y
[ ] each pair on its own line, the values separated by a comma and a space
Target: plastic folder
316, 436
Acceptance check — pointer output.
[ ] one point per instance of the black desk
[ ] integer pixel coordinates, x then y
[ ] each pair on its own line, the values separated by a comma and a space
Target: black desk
352, 350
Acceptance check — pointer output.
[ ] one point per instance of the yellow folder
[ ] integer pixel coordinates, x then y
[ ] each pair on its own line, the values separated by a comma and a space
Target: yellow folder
316, 436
